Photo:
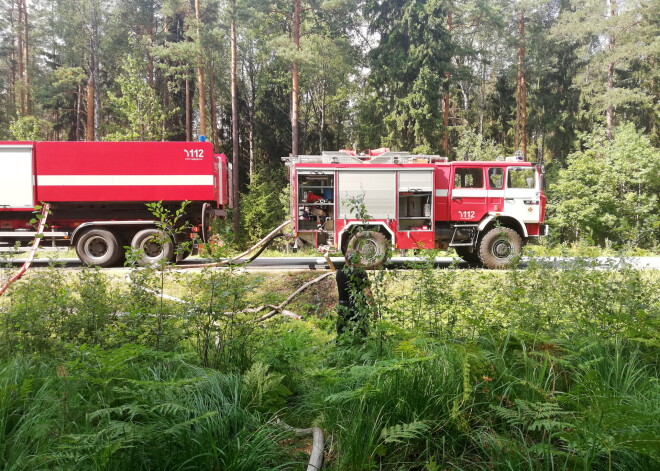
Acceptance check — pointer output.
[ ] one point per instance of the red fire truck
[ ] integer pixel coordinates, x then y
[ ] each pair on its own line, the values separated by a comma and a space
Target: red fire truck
486, 211
98, 190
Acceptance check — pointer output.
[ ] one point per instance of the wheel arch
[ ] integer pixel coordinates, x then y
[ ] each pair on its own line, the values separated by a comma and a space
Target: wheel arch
505, 221
353, 225
108, 225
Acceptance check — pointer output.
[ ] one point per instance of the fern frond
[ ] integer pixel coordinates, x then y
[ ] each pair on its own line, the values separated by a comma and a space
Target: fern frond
401, 433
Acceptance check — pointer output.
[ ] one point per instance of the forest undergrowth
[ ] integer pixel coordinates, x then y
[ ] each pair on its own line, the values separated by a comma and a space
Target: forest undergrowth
534, 368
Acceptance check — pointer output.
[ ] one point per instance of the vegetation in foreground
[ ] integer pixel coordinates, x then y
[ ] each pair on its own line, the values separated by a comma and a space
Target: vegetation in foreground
462, 369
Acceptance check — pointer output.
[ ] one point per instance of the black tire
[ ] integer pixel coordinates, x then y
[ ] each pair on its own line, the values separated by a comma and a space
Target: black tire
470, 257
156, 247
99, 248
367, 249
499, 247
184, 252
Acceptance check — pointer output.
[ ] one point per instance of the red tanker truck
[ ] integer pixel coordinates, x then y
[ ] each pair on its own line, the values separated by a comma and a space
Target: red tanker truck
98, 192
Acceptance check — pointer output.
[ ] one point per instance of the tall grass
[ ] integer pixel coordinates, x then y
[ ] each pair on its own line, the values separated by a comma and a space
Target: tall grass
538, 369
132, 409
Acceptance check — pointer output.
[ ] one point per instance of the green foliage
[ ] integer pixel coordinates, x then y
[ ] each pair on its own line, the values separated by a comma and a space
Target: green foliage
266, 204
140, 115
219, 325
131, 408
473, 146
533, 368
614, 41
610, 191
407, 67
30, 128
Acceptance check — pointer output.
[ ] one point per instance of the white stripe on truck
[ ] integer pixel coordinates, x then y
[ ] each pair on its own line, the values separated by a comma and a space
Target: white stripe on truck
125, 180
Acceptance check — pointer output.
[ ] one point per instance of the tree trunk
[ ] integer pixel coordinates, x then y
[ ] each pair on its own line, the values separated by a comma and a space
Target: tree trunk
21, 62
97, 101
89, 129
610, 112
78, 106
251, 109
26, 55
150, 70
322, 123
12, 95
445, 98
96, 92
236, 217
151, 80
214, 114
200, 74
188, 121
295, 86
521, 90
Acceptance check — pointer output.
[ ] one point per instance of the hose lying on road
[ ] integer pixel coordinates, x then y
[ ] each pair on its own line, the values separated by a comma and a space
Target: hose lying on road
263, 242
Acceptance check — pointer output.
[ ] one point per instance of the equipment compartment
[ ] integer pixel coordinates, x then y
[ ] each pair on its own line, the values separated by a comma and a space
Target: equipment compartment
415, 211
316, 201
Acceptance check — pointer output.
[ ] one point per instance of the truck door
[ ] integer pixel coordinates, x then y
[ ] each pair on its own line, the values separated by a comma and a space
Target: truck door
495, 182
468, 194
522, 197
16, 176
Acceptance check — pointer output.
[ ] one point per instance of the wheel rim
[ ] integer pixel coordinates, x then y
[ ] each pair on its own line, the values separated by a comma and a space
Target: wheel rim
369, 250
502, 248
96, 247
152, 247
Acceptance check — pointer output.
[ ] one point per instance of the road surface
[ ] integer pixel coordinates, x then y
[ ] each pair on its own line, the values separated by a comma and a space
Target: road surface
319, 263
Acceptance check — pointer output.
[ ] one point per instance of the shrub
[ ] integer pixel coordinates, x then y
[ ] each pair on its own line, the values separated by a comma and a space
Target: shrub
609, 191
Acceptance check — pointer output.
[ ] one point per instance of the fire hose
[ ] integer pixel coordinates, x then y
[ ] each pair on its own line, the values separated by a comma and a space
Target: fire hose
35, 245
260, 246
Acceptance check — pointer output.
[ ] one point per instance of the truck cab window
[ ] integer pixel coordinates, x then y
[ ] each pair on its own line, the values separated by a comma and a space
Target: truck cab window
521, 177
468, 178
496, 178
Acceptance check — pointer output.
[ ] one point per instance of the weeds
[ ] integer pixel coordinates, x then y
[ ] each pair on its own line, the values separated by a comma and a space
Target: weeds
536, 369
132, 409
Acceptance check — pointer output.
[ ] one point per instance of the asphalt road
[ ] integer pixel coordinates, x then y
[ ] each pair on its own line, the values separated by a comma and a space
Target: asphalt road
319, 263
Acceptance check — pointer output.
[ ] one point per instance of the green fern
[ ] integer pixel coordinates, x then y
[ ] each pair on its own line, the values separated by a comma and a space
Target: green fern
401, 433
264, 390
534, 416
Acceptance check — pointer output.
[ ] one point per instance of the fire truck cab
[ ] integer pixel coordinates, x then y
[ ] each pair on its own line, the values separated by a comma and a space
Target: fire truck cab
486, 211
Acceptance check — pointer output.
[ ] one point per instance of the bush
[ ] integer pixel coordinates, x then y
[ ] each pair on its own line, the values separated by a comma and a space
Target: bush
266, 205
609, 192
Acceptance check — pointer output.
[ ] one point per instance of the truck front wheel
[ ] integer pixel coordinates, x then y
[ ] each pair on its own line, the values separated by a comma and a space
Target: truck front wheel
98, 248
367, 249
155, 247
499, 247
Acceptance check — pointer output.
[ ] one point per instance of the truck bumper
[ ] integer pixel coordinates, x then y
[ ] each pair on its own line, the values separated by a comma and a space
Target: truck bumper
544, 230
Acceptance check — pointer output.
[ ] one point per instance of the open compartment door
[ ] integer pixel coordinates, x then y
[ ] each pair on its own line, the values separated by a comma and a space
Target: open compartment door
415, 210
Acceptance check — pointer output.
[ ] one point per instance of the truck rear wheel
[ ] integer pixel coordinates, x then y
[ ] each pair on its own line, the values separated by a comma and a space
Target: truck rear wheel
155, 246
499, 247
367, 249
98, 248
